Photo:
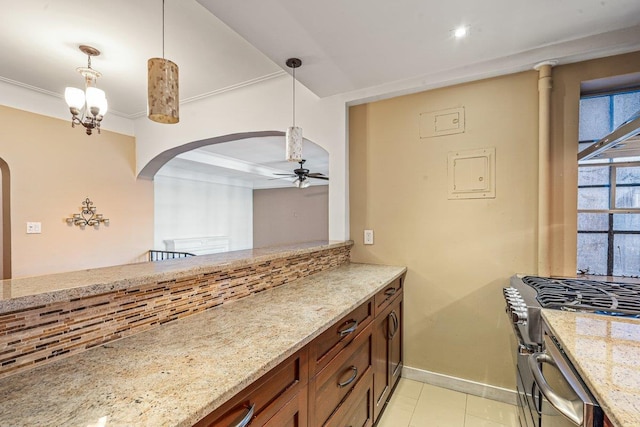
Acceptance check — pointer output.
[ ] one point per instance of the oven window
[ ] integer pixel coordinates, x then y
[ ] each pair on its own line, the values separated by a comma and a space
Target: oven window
608, 192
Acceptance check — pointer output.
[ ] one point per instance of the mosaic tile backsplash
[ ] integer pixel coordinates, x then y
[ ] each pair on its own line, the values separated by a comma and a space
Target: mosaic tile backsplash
38, 335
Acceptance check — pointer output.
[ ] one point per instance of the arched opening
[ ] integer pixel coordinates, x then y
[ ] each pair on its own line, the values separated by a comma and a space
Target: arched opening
5, 215
238, 192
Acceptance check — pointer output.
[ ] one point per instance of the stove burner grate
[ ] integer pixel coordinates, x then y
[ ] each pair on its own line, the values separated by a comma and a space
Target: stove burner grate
587, 295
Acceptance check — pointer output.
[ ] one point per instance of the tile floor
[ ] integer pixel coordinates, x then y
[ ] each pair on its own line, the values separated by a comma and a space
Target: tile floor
415, 404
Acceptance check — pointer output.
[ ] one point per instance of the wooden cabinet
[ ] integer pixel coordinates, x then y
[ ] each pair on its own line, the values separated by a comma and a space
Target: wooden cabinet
607, 422
387, 354
385, 296
332, 386
281, 395
326, 346
357, 408
343, 377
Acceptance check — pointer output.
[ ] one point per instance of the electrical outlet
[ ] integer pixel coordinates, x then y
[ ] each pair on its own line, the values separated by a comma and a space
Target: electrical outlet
368, 237
34, 227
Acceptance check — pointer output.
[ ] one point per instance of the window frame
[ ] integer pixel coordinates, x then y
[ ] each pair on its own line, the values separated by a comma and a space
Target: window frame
611, 185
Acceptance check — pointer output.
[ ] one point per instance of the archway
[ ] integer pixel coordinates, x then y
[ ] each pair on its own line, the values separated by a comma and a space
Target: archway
5, 215
237, 192
150, 169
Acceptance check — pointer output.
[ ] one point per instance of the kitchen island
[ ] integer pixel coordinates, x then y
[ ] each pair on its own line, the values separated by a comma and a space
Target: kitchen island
605, 350
177, 373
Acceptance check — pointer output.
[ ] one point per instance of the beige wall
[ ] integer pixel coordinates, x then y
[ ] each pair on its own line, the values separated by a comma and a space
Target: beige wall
288, 215
565, 99
459, 253
53, 168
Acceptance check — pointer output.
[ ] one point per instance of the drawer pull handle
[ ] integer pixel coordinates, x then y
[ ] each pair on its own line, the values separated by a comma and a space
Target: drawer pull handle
393, 317
350, 329
247, 418
350, 380
390, 292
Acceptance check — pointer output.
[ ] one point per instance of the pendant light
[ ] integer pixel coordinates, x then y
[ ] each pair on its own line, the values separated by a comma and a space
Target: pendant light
163, 102
294, 134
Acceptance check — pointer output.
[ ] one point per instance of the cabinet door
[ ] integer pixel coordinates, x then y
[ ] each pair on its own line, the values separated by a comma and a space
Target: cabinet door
395, 344
381, 357
387, 353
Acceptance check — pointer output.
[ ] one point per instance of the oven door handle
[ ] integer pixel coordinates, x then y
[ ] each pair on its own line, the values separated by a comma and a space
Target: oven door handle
572, 409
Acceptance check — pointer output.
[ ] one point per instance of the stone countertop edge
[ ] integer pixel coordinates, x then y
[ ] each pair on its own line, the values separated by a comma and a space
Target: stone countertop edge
609, 365
176, 374
28, 292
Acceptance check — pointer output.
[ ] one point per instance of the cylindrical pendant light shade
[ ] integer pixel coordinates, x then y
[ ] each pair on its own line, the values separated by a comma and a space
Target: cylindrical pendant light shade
294, 144
163, 101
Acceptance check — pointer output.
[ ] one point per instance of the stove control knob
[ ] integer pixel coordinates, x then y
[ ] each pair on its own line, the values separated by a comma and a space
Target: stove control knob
519, 317
516, 301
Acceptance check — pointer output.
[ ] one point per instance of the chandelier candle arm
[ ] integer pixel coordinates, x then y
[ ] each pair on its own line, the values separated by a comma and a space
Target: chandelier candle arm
87, 216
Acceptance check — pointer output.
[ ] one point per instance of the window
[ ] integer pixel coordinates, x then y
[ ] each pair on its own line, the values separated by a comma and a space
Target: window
608, 192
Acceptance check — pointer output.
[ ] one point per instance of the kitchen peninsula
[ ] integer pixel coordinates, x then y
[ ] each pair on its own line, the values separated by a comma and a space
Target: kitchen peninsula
177, 373
605, 350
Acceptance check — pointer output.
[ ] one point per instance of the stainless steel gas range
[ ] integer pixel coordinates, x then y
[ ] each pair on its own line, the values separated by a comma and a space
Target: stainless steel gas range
550, 392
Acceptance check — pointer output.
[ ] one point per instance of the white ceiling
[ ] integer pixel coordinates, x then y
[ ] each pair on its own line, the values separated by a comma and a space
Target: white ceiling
357, 44
355, 47
39, 42
250, 163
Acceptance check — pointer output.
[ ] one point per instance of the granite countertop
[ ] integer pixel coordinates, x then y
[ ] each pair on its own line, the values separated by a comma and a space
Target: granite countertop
27, 292
177, 373
605, 350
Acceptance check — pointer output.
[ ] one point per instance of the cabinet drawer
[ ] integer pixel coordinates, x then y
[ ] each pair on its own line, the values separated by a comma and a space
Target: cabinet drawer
357, 409
292, 414
265, 397
386, 295
336, 380
327, 345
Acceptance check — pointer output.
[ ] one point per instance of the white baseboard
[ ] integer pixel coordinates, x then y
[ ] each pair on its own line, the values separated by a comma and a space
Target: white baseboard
459, 384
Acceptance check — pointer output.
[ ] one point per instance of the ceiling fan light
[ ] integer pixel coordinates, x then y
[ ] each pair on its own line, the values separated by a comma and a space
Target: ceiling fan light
162, 91
294, 144
305, 183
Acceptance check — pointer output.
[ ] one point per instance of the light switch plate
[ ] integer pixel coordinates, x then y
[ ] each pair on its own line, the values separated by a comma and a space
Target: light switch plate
34, 227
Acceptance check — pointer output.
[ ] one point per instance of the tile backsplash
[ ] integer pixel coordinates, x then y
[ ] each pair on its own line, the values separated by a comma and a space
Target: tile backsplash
48, 332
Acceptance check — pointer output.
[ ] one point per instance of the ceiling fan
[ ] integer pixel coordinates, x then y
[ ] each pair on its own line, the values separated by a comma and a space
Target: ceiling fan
302, 175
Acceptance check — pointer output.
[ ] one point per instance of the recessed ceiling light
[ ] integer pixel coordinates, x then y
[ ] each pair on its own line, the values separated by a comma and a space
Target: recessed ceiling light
460, 32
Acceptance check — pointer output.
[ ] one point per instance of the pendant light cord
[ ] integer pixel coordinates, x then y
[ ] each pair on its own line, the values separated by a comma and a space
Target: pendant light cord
294, 96
162, 29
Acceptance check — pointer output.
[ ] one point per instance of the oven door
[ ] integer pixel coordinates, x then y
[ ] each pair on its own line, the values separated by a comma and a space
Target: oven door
528, 415
566, 402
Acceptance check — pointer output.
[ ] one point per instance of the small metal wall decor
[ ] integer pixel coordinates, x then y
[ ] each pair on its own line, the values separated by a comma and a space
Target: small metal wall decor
87, 216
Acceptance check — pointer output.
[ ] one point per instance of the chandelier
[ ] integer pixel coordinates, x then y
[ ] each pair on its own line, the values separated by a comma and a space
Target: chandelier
87, 107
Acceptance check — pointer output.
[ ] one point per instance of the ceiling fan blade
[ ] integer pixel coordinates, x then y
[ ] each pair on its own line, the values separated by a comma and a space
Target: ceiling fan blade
326, 178
315, 174
285, 174
280, 177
